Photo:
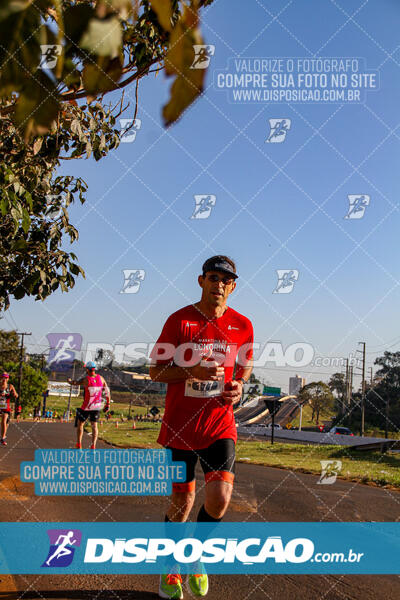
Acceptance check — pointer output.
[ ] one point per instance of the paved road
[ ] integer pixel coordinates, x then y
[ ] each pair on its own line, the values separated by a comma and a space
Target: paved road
261, 494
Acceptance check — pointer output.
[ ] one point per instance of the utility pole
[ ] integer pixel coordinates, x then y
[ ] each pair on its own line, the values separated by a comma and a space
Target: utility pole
371, 375
21, 356
347, 385
363, 391
70, 391
351, 384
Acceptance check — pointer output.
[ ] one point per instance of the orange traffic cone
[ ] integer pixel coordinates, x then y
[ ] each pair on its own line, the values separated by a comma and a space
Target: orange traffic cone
133, 425
116, 424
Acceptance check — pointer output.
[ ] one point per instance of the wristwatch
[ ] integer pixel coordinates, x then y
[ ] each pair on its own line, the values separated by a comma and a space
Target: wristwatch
242, 380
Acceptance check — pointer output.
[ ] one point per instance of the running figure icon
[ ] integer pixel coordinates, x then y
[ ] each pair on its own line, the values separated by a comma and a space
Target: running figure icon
64, 347
62, 549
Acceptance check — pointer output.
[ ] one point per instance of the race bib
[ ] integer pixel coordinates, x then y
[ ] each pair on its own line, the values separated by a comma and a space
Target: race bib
197, 388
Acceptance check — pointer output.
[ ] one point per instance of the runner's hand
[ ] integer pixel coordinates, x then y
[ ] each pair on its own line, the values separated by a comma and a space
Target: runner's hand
232, 391
207, 370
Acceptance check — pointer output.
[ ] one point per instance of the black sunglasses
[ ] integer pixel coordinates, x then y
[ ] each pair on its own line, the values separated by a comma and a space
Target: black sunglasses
225, 280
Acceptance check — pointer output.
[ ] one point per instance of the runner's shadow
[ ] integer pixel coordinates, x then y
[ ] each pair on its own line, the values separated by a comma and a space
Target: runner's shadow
79, 595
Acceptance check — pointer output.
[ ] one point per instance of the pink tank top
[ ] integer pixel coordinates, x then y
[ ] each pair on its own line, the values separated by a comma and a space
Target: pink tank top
93, 393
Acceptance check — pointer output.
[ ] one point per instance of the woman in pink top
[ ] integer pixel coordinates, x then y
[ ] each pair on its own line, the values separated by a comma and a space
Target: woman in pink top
93, 385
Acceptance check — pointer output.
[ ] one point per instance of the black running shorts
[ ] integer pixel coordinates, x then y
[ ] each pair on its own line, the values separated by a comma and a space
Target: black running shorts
84, 415
217, 462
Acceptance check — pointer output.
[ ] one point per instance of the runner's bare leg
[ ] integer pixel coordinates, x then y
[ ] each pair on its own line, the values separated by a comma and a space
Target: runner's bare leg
4, 425
218, 496
95, 434
79, 432
180, 506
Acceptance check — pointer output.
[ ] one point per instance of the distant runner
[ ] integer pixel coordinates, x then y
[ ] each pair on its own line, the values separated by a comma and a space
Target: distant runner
93, 385
6, 391
198, 422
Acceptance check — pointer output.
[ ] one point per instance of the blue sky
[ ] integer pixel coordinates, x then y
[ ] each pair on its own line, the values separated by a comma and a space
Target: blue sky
278, 205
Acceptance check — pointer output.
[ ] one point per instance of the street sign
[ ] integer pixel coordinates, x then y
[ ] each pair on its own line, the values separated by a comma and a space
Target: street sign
271, 391
154, 411
273, 406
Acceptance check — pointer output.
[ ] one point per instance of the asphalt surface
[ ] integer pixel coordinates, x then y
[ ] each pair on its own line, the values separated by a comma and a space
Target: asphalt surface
260, 494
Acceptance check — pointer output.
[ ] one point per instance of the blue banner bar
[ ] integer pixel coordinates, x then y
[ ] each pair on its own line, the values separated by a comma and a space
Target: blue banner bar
230, 548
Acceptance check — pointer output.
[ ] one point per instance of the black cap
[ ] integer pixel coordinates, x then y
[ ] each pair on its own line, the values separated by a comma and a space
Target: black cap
217, 263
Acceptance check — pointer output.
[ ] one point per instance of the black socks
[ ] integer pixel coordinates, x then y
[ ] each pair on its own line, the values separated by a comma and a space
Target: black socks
204, 517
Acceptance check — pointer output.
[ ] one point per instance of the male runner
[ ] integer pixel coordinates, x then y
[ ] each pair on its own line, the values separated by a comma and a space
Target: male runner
6, 391
93, 385
198, 421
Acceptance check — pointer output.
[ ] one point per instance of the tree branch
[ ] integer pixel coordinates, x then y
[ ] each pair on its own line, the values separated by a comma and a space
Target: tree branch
83, 93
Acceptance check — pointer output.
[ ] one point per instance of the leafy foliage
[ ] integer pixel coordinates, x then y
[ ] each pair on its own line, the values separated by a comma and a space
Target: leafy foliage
318, 395
9, 347
57, 60
34, 383
337, 384
383, 398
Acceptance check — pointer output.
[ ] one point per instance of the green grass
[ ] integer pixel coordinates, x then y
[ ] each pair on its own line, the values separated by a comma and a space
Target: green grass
366, 467
144, 436
60, 404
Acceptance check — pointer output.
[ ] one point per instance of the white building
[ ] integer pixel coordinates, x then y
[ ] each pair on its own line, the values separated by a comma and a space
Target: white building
295, 384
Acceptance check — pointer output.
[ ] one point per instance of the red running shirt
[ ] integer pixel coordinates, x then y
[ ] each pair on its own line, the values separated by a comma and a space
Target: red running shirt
195, 413
5, 396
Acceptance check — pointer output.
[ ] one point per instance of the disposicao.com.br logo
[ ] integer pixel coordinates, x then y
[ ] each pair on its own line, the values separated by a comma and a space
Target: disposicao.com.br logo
190, 550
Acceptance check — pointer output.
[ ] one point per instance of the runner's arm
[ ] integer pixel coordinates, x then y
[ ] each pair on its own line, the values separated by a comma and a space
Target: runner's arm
174, 374
108, 395
234, 389
107, 390
76, 381
13, 392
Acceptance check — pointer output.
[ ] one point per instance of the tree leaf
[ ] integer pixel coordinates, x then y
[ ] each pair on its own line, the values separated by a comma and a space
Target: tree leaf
19, 48
101, 76
103, 37
26, 221
37, 144
76, 21
122, 7
163, 10
12, 6
189, 82
37, 106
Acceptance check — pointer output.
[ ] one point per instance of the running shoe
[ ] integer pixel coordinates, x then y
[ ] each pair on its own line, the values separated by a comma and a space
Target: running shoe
198, 584
93, 447
170, 586
3, 442
79, 446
